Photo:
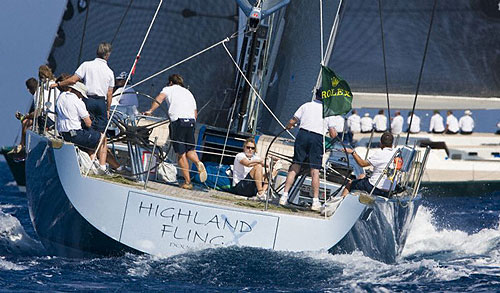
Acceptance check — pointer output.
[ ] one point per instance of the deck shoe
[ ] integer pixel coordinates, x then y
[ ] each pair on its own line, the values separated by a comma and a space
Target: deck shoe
261, 196
283, 200
203, 172
316, 206
187, 186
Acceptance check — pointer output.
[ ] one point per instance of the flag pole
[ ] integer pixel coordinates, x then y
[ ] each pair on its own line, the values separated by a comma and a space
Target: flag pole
324, 135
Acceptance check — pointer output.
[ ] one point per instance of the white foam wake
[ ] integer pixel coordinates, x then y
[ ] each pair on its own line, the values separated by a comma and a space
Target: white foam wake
13, 238
425, 238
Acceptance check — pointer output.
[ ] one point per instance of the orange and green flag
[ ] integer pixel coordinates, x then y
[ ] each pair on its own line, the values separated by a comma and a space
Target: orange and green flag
336, 94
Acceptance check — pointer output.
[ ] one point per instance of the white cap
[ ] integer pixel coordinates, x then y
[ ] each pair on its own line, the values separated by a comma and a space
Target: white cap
467, 112
367, 114
123, 76
80, 87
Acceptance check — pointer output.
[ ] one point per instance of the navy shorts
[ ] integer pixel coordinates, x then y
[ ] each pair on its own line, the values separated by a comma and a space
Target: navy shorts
86, 138
246, 187
182, 136
98, 111
308, 149
365, 185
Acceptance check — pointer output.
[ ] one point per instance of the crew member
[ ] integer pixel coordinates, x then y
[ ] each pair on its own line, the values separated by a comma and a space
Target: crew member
71, 111
380, 121
26, 119
415, 123
100, 81
397, 123
466, 123
128, 98
451, 123
436, 125
308, 148
353, 125
182, 112
379, 159
366, 123
248, 178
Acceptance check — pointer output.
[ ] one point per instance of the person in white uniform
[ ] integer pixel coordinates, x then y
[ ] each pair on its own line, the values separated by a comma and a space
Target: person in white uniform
379, 160
71, 111
366, 123
128, 98
436, 125
308, 147
415, 123
100, 81
248, 177
451, 123
466, 123
183, 114
353, 125
380, 121
397, 123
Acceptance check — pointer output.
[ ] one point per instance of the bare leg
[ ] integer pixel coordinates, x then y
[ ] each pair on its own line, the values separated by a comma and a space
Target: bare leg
315, 182
192, 156
184, 164
112, 161
102, 152
256, 174
347, 189
292, 172
26, 124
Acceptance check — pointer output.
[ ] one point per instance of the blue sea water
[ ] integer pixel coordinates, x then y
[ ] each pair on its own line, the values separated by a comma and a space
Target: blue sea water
454, 245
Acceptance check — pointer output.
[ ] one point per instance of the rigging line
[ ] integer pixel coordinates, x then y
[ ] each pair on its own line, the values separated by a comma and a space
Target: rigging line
385, 64
83, 34
321, 30
184, 60
121, 21
128, 79
255, 91
421, 70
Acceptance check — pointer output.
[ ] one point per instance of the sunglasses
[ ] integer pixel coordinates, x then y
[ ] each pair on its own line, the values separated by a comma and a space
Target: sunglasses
250, 148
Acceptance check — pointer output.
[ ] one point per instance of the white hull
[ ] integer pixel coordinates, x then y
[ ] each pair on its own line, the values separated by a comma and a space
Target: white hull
165, 224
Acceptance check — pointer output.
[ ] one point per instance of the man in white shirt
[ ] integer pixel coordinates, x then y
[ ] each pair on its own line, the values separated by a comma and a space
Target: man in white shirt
353, 125
379, 160
451, 123
100, 81
397, 123
182, 113
128, 98
415, 123
248, 178
466, 123
366, 123
71, 111
380, 121
437, 125
308, 148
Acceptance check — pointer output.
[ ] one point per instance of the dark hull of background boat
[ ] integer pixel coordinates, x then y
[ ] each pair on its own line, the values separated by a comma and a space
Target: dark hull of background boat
55, 218
16, 166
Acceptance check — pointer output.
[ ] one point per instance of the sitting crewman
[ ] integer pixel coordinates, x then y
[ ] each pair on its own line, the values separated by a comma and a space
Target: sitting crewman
70, 112
379, 160
248, 178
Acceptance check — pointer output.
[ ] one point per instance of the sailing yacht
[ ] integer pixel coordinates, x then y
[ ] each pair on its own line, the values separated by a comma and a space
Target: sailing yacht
76, 213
